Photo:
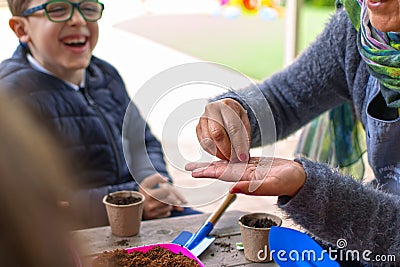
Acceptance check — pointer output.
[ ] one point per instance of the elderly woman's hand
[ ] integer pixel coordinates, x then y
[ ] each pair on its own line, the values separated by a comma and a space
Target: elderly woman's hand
260, 176
224, 130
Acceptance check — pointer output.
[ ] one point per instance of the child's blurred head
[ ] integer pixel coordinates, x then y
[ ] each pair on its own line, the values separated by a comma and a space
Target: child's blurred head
61, 35
34, 229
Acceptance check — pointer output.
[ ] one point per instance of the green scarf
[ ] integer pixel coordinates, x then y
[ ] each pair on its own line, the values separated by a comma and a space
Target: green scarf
336, 137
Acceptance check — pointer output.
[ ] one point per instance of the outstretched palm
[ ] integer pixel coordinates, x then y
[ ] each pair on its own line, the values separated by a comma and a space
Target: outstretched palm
260, 176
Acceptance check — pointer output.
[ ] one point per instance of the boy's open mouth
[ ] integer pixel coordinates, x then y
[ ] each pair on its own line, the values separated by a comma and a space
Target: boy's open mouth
75, 42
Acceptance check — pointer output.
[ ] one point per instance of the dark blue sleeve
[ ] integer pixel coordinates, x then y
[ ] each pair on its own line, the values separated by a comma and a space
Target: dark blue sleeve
156, 155
89, 203
143, 152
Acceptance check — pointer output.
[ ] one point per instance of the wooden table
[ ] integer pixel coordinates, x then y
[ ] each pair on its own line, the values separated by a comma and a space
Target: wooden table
222, 252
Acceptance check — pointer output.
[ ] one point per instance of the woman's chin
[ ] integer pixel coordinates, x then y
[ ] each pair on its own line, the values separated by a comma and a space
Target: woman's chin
384, 23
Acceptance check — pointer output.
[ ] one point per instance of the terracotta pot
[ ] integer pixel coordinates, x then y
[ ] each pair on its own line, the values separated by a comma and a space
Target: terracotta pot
255, 240
125, 219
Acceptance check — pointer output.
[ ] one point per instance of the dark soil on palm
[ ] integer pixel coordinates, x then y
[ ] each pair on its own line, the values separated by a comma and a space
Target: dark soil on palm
156, 257
122, 200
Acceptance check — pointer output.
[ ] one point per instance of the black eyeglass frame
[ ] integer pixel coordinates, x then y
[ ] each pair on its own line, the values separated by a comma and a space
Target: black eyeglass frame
74, 6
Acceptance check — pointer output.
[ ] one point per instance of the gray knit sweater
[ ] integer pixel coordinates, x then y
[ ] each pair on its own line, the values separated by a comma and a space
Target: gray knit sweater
330, 205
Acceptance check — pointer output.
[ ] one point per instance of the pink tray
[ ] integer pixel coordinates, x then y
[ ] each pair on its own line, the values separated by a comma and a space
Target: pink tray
171, 247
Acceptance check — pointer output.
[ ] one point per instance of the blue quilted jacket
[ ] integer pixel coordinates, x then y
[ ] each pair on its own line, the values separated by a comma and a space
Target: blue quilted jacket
88, 126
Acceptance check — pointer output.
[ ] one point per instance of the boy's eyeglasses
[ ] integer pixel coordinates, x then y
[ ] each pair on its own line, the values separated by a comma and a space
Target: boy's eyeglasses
61, 11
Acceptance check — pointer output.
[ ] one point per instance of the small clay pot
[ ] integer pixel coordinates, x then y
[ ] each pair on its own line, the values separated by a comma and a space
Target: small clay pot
125, 219
254, 229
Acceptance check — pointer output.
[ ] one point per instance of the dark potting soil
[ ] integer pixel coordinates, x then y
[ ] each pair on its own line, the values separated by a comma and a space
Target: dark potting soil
156, 257
258, 222
122, 200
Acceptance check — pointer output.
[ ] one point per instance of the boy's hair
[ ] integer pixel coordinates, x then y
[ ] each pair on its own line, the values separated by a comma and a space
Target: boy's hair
18, 6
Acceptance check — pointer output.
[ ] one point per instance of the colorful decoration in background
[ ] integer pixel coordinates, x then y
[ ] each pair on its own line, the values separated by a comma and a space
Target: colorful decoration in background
266, 9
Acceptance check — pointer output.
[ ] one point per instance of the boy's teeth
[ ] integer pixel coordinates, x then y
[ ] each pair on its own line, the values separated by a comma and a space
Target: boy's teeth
75, 41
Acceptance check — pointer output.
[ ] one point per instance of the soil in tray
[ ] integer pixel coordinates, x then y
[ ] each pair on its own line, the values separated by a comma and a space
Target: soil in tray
156, 257
117, 200
258, 222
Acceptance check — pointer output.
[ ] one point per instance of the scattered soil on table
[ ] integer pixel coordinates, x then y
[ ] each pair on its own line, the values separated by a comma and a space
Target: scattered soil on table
117, 200
156, 257
122, 242
225, 247
258, 222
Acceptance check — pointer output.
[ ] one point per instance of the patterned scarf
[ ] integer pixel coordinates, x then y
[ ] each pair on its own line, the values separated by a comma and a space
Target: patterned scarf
336, 137
379, 50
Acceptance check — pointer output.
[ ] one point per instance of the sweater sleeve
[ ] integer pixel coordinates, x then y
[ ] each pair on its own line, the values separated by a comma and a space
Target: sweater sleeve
319, 79
332, 206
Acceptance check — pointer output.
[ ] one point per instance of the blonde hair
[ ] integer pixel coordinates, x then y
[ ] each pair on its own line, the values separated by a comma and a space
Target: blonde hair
18, 6
33, 228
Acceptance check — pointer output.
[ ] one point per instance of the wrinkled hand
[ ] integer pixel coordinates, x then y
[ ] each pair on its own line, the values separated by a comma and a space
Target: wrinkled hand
224, 130
260, 176
160, 200
63, 204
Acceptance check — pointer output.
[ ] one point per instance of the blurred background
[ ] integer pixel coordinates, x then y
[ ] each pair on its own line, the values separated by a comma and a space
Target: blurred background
143, 38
